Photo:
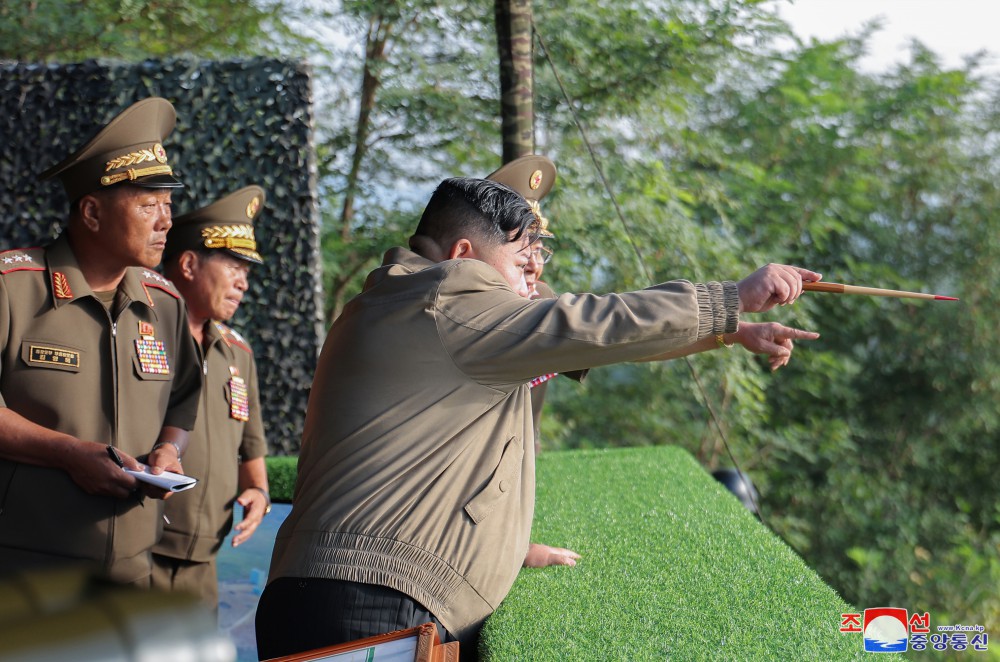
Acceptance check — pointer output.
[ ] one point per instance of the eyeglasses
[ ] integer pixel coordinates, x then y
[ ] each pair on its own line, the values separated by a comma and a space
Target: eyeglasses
541, 253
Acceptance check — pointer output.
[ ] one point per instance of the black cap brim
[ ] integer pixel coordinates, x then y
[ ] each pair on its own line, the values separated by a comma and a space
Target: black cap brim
158, 181
245, 254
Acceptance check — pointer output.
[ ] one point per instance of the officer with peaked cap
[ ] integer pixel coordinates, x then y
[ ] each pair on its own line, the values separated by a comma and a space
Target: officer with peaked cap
208, 257
533, 176
97, 366
128, 150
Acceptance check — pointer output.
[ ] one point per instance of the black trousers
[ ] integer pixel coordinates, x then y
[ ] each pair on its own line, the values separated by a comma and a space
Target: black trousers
297, 614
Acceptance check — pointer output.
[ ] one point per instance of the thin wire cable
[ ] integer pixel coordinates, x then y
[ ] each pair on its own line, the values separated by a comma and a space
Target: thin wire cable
642, 265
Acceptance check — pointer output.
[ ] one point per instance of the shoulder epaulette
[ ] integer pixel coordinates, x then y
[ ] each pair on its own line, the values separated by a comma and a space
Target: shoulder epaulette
22, 259
233, 338
150, 279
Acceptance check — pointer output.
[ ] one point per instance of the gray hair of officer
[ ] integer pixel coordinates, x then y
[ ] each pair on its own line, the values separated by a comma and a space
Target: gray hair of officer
481, 208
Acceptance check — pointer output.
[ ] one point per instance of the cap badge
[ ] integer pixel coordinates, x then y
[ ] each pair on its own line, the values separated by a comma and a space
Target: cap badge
253, 207
161, 154
536, 180
154, 153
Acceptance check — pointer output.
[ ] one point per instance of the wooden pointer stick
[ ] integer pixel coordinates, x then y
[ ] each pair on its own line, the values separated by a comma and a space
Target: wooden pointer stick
838, 288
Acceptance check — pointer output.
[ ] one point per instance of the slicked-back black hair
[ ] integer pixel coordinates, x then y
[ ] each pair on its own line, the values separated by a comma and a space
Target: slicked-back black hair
464, 207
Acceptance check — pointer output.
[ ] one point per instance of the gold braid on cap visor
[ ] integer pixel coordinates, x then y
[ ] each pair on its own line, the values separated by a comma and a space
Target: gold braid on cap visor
133, 174
230, 236
542, 226
154, 153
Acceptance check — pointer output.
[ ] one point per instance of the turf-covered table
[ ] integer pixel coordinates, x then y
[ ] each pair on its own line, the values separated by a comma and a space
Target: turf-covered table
673, 567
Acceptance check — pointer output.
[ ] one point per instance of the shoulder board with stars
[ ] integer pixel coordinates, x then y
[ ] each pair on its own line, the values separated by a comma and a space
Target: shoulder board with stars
22, 259
150, 278
232, 337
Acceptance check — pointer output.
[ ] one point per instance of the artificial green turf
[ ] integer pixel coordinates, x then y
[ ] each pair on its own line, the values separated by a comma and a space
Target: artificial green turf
673, 567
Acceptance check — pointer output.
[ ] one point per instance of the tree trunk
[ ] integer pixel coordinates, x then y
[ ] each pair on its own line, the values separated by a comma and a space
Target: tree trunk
514, 45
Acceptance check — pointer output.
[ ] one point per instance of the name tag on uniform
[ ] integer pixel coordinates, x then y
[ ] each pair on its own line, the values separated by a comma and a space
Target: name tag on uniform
53, 357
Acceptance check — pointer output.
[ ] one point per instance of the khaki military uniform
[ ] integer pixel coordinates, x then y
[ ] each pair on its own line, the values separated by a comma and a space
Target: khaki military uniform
68, 364
229, 429
533, 177
539, 385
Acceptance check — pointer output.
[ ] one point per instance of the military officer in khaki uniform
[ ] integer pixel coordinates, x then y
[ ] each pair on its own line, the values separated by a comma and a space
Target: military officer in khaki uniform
533, 177
97, 366
208, 256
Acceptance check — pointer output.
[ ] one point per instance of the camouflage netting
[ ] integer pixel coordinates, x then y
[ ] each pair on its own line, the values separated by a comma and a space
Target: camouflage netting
238, 123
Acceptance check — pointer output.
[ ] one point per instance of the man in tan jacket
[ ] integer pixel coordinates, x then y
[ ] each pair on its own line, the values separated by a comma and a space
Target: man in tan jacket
415, 489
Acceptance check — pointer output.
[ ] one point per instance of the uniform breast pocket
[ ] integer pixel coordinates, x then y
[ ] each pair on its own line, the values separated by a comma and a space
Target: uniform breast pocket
238, 399
505, 476
51, 356
150, 360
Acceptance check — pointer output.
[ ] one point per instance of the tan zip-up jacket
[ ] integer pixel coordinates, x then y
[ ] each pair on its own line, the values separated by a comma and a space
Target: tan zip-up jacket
67, 365
229, 429
417, 464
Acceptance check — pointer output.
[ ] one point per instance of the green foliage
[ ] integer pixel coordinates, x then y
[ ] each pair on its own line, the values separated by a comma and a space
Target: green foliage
414, 108
239, 122
672, 567
281, 473
884, 180
51, 30
874, 448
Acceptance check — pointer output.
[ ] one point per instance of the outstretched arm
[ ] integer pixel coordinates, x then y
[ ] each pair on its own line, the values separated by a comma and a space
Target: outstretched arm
770, 338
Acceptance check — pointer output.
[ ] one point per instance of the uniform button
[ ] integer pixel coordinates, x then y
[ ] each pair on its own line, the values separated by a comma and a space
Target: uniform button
504, 485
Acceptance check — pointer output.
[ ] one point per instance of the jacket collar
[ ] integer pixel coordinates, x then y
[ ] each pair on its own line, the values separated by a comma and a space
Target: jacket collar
215, 337
406, 258
68, 283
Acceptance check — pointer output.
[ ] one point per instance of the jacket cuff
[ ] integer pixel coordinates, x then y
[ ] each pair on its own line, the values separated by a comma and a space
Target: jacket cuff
718, 308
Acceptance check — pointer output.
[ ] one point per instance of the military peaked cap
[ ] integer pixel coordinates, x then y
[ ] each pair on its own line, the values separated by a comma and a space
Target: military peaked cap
128, 150
533, 177
226, 224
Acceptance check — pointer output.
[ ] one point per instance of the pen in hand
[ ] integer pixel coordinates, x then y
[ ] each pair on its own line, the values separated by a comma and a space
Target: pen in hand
115, 457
